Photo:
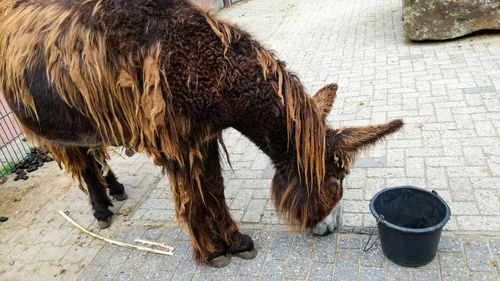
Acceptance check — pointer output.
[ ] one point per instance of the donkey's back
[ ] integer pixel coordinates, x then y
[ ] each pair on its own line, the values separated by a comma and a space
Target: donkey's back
102, 72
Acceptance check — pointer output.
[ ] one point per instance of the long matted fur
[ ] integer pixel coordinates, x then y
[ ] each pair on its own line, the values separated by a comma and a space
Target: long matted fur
130, 107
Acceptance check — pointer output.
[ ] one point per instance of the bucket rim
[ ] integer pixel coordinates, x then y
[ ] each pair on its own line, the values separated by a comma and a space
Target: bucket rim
406, 229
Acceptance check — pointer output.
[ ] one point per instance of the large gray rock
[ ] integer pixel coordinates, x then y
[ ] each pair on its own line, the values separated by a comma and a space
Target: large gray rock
446, 19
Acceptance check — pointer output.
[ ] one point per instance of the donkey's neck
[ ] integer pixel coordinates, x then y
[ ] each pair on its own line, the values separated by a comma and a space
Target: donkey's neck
271, 106
271, 138
265, 124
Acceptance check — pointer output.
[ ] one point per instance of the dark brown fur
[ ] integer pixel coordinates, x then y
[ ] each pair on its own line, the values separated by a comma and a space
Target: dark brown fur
165, 79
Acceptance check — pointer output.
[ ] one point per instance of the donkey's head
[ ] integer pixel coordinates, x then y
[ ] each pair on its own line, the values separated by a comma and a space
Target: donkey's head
311, 204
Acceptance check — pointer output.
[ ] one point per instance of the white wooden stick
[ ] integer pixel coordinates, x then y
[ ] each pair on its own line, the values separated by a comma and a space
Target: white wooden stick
170, 253
154, 244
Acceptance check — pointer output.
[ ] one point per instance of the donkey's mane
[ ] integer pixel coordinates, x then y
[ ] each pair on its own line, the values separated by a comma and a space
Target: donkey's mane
127, 96
309, 128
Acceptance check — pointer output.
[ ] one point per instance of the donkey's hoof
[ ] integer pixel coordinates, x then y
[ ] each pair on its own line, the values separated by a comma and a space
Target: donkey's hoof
247, 255
120, 196
104, 224
220, 261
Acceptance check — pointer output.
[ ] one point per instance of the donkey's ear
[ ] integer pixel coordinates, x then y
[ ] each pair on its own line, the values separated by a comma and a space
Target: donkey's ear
352, 139
325, 97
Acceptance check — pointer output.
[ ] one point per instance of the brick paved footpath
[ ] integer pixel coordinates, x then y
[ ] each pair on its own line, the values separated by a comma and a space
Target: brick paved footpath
446, 92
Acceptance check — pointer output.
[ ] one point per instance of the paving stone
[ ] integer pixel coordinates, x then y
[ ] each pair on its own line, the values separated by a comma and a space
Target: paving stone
163, 275
168, 235
451, 260
90, 273
305, 240
219, 277
371, 274
242, 199
495, 249
183, 235
396, 272
489, 203
262, 239
450, 245
182, 276
373, 257
262, 193
112, 267
134, 233
300, 253
124, 275
478, 256
454, 274
372, 162
345, 273
352, 220
273, 270
281, 246
297, 269
353, 194
255, 211
150, 266
480, 223
104, 255
325, 249
346, 267
349, 242
229, 271
481, 276
478, 90
254, 266
425, 275
464, 208
415, 167
247, 278
268, 172
135, 260
52, 253
172, 262
153, 234
395, 157
162, 203
321, 272
203, 277
185, 270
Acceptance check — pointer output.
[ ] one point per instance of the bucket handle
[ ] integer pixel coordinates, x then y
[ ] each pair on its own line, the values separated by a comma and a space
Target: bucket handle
365, 249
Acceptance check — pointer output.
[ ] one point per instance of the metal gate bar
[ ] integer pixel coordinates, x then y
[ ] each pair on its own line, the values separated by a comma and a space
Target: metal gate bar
12, 149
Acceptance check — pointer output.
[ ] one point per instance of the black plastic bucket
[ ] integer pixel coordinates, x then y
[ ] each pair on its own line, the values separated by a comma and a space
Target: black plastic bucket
409, 221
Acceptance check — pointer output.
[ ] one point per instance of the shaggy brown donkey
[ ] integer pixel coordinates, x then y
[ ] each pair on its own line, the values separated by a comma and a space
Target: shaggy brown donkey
163, 78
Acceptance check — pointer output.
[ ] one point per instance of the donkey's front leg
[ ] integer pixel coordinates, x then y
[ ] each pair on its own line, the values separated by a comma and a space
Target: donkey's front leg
116, 189
214, 234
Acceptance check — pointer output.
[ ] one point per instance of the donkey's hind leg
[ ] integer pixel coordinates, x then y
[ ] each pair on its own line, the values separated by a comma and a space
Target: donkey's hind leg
97, 191
84, 167
116, 189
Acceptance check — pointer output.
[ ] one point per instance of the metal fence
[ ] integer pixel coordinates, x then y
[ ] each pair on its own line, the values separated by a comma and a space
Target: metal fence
13, 149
